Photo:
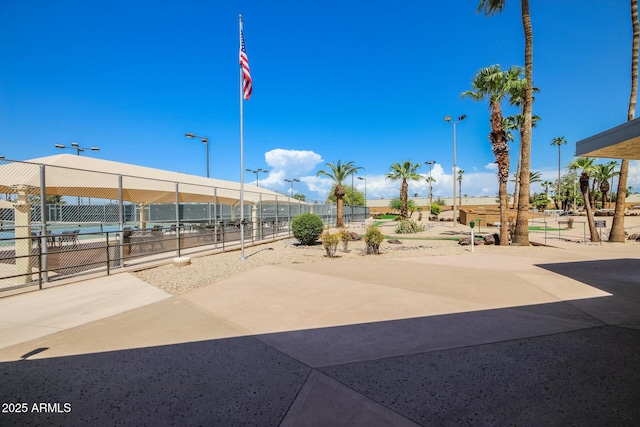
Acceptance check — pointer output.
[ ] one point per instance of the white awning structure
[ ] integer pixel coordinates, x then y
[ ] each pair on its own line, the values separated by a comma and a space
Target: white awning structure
70, 175
620, 142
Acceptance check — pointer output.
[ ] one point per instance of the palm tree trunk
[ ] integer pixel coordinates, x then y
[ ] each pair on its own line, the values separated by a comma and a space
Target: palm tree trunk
504, 213
521, 233
500, 149
339, 212
558, 193
584, 188
617, 227
517, 186
404, 195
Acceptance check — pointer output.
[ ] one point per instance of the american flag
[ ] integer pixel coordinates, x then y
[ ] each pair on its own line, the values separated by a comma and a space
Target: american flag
244, 63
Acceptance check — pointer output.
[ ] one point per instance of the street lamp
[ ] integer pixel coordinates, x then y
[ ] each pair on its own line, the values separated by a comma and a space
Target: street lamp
75, 146
454, 122
205, 141
257, 172
365, 190
292, 181
430, 163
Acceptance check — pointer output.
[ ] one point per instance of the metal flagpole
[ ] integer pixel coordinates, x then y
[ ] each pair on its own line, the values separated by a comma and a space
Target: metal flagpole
242, 257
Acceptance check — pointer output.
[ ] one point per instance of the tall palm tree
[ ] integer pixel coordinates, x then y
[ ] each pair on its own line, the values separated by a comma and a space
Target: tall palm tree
460, 173
404, 171
558, 141
586, 164
617, 226
496, 85
491, 7
339, 172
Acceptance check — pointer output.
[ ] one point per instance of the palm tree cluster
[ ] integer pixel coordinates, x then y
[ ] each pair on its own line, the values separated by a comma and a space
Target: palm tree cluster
496, 86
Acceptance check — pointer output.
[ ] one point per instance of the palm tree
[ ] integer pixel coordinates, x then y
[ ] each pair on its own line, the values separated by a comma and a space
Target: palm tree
603, 173
586, 164
617, 226
546, 185
460, 173
495, 85
404, 171
338, 172
491, 7
558, 141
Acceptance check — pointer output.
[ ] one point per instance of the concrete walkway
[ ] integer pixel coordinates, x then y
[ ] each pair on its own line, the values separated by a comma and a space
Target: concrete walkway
475, 339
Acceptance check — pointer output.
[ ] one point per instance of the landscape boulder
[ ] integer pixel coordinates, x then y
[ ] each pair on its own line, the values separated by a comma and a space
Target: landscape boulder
464, 241
489, 240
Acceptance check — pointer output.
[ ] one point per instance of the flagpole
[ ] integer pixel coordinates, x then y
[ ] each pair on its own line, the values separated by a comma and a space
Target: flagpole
242, 257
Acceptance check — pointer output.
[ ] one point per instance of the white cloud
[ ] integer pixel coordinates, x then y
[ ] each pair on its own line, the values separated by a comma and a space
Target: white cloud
633, 179
288, 164
491, 166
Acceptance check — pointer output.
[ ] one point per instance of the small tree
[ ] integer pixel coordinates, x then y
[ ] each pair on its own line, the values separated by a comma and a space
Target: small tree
372, 238
306, 228
396, 205
330, 243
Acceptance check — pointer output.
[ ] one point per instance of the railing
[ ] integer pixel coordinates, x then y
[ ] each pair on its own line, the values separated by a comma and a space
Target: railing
59, 221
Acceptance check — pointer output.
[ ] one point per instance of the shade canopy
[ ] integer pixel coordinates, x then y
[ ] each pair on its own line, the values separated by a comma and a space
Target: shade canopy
70, 175
620, 142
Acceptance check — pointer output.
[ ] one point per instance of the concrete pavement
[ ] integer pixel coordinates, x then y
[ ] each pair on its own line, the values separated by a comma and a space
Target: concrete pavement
482, 339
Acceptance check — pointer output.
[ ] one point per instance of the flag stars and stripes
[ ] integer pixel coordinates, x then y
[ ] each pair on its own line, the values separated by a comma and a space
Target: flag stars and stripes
244, 63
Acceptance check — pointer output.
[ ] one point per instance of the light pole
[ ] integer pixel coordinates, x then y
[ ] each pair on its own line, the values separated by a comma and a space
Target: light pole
365, 191
430, 163
292, 181
75, 146
454, 122
205, 141
257, 171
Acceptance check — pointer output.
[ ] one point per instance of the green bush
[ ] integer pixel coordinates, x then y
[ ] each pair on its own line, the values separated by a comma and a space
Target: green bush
307, 228
373, 237
330, 243
435, 209
408, 226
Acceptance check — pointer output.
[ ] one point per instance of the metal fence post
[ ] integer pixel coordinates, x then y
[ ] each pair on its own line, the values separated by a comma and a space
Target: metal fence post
178, 220
121, 221
42, 261
215, 217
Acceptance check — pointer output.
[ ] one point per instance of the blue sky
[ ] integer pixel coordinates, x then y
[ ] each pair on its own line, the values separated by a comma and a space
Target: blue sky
368, 82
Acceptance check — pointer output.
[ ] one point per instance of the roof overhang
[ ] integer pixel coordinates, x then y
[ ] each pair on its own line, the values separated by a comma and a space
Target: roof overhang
620, 142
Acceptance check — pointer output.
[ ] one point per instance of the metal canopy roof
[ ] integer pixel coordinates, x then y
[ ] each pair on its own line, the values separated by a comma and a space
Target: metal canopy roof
620, 142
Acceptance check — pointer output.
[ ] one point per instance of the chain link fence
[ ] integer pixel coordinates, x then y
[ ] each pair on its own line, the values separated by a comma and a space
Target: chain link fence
57, 222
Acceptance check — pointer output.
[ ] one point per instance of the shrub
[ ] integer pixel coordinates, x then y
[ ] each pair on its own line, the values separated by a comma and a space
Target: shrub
373, 237
408, 226
307, 228
330, 243
345, 238
435, 208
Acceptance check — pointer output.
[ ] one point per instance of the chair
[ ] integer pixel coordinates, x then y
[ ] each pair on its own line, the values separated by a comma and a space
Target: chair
156, 236
67, 236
